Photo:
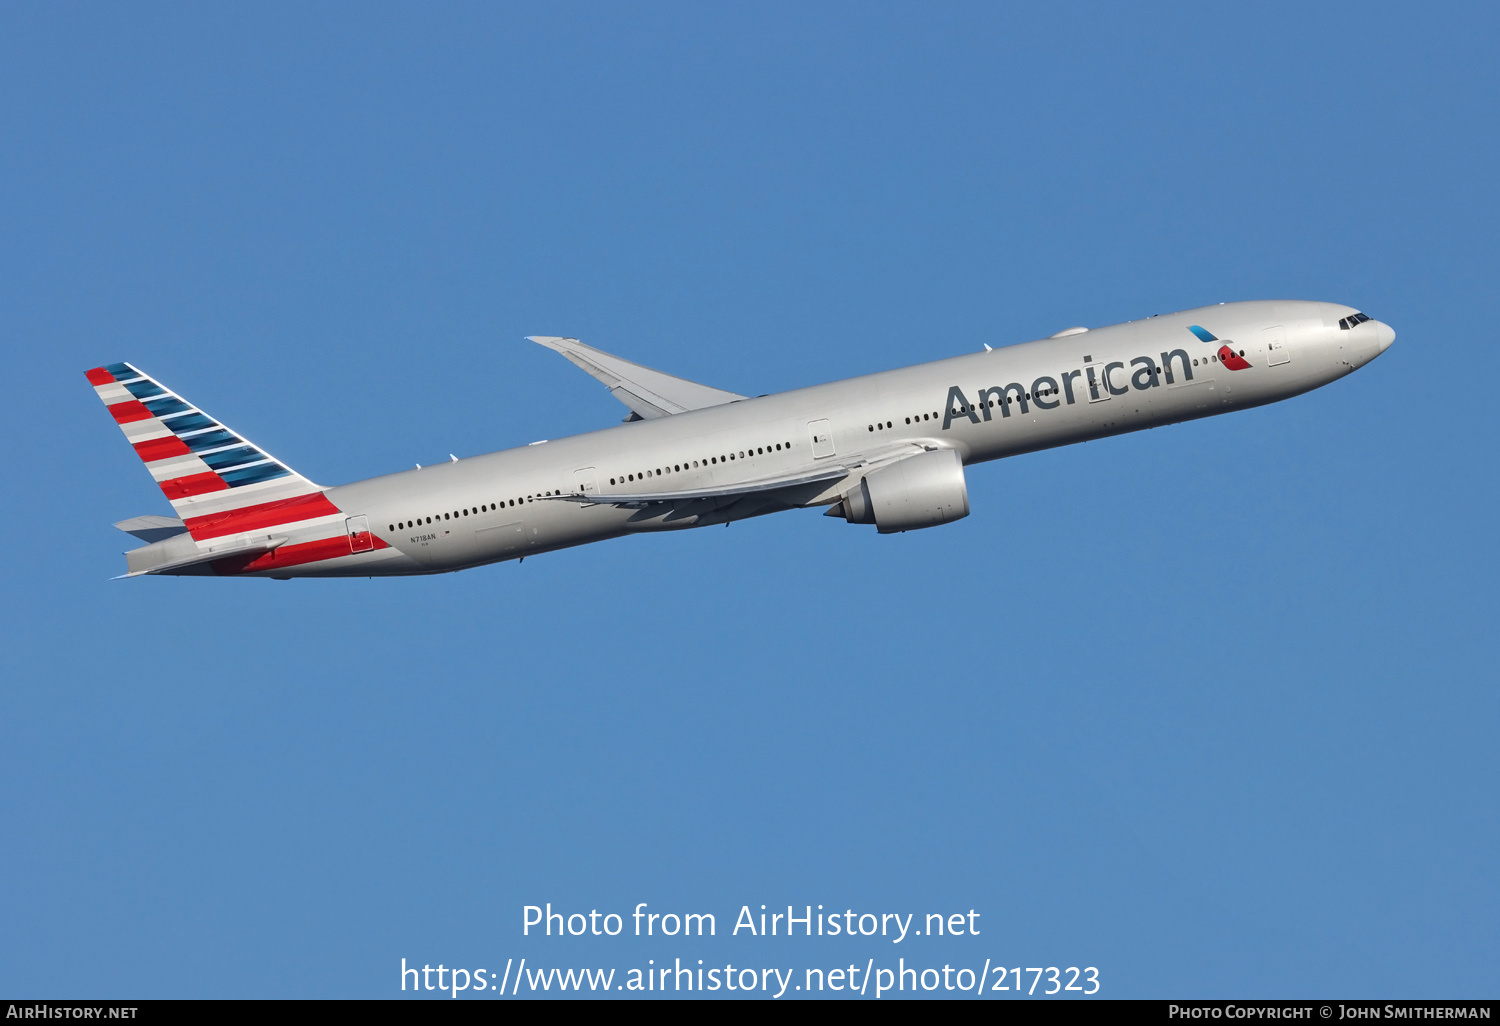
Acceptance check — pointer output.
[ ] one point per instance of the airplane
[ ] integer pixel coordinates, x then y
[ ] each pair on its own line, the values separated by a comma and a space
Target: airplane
887, 449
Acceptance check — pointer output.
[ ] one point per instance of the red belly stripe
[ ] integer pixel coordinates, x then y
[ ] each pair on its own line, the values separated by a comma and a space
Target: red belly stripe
290, 555
265, 514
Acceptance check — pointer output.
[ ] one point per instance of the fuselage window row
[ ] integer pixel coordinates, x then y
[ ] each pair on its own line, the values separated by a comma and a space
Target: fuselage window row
707, 461
456, 514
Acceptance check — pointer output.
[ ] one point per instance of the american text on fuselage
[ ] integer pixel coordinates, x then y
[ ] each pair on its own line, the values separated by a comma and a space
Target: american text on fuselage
888, 449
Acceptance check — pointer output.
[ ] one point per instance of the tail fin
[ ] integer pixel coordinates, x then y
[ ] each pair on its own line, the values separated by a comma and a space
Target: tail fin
216, 481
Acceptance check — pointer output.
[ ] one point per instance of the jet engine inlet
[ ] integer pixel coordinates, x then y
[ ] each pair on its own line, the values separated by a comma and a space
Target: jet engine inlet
919, 491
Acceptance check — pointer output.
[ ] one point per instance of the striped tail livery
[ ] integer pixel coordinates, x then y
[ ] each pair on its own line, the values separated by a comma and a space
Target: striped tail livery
238, 509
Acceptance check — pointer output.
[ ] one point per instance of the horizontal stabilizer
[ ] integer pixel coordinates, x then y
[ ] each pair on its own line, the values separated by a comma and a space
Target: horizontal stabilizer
648, 393
152, 528
205, 554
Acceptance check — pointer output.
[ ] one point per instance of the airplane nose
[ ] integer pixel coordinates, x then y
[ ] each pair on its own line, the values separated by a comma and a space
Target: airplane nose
1384, 335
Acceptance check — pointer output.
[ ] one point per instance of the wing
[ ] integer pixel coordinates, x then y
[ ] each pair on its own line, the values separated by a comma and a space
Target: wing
861, 462
648, 393
141, 565
752, 487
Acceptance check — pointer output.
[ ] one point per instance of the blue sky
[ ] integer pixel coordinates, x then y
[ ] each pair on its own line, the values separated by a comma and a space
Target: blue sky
1210, 707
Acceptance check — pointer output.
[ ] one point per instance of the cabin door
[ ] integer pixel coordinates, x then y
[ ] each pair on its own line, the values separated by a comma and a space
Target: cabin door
1094, 382
585, 481
1276, 351
821, 435
359, 534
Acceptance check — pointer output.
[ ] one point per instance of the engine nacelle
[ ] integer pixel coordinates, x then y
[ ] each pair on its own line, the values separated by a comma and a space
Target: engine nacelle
919, 491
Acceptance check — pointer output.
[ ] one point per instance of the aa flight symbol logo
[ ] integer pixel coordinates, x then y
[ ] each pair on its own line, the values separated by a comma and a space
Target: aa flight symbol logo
1228, 357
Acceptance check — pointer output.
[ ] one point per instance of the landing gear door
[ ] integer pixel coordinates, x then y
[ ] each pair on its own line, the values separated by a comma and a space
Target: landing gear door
360, 539
1275, 342
585, 481
820, 432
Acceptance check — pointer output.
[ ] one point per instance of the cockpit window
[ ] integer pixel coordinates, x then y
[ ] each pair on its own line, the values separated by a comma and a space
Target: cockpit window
1348, 322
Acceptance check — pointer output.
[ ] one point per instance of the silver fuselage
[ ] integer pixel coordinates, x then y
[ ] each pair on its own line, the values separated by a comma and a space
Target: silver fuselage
947, 403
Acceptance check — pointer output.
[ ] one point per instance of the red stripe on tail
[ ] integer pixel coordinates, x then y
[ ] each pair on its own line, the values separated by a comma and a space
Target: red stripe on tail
266, 514
99, 376
193, 484
129, 411
160, 448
